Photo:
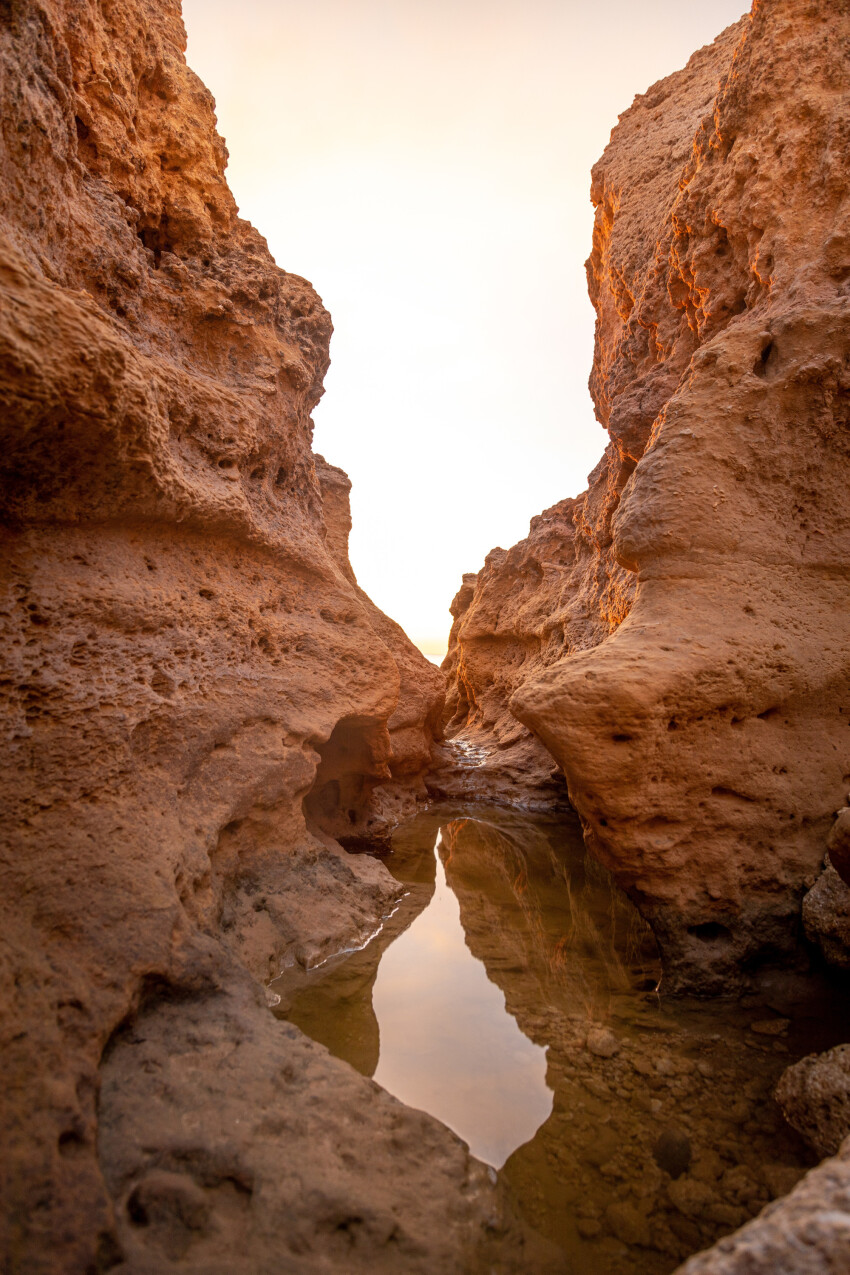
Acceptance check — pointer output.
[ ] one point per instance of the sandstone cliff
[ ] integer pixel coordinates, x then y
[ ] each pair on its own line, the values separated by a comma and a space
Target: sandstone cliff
197, 700
677, 637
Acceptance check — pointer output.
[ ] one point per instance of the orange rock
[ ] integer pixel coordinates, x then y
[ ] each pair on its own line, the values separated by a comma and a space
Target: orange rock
700, 700
196, 696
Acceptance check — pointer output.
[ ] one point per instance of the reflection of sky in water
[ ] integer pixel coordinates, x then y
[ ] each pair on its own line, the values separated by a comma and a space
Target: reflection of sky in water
448, 1044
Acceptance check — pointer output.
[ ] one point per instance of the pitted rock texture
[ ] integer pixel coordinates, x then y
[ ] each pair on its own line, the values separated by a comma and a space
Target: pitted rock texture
838, 844
700, 702
190, 670
814, 1096
826, 917
502, 614
805, 1233
224, 1148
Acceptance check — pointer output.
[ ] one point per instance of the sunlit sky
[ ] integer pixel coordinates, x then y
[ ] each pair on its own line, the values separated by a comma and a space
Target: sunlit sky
426, 165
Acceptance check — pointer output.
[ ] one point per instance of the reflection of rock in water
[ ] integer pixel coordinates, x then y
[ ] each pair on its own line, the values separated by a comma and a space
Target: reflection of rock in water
424, 1018
341, 1018
448, 1046
632, 1075
664, 1134
534, 905
333, 1004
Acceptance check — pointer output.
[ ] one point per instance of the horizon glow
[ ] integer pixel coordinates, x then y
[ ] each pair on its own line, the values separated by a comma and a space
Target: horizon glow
426, 165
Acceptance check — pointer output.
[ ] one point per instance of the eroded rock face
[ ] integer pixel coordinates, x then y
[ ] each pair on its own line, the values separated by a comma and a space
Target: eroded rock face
502, 630
279, 1180
814, 1096
189, 671
826, 917
805, 1233
838, 844
692, 618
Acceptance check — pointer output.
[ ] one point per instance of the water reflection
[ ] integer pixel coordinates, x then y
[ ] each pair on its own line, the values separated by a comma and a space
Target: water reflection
417, 1011
447, 1043
426, 1008
511, 942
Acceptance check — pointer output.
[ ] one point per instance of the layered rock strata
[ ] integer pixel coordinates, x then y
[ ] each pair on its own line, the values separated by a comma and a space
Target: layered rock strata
679, 637
197, 700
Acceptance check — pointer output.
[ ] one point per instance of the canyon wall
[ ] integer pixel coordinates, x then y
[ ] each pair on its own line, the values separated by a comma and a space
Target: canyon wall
677, 637
197, 701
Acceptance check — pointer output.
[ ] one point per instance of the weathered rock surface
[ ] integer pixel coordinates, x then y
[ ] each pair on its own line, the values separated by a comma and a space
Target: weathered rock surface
805, 1233
838, 844
195, 696
231, 1142
826, 917
814, 1096
679, 637
506, 632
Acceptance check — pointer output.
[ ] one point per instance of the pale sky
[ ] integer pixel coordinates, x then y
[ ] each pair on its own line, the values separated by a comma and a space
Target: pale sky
426, 165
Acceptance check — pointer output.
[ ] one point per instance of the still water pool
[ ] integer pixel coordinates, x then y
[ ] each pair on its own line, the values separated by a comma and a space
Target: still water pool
512, 995
448, 1044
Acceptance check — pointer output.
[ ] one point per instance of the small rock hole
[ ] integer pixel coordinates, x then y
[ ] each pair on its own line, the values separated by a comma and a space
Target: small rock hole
672, 1152
162, 684
766, 359
709, 931
136, 1211
70, 1143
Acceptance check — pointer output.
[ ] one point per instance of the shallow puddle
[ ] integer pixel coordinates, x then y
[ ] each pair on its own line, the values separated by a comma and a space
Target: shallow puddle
511, 996
448, 1044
